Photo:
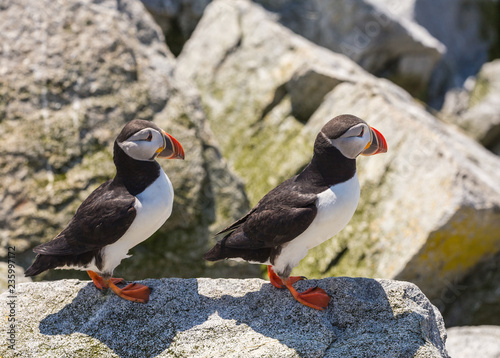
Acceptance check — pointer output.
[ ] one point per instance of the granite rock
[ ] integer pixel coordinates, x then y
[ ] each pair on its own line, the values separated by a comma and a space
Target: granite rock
469, 31
474, 341
429, 208
225, 318
71, 76
475, 107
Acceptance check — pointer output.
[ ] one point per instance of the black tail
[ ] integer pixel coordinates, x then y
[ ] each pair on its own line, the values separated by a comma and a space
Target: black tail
221, 251
215, 253
42, 263
47, 262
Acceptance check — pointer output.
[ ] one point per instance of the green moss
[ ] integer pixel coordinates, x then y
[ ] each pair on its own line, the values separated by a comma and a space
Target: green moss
274, 150
459, 246
480, 91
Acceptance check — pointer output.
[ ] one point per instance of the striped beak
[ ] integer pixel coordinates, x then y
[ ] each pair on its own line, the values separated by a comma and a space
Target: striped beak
172, 149
377, 143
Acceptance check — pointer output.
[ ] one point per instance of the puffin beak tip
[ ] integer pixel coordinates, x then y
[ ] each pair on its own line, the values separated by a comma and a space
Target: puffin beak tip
172, 149
378, 143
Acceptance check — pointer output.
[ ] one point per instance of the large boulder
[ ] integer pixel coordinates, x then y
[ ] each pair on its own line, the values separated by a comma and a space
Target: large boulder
369, 33
475, 299
479, 341
429, 209
476, 108
72, 75
259, 84
365, 31
469, 30
224, 318
177, 19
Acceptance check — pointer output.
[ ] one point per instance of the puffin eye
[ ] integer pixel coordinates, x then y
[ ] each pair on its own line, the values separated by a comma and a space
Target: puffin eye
362, 132
150, 137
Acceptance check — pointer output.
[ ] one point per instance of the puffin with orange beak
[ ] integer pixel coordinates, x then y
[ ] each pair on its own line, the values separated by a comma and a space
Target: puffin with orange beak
306, 210
119, 214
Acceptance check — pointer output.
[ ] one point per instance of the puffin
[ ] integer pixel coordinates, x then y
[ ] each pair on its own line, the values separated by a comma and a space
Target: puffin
305, 210
119, 214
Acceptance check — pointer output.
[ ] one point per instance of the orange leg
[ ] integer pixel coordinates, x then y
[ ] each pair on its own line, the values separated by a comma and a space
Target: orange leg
132, 292
100, 283
277, 282
314, 297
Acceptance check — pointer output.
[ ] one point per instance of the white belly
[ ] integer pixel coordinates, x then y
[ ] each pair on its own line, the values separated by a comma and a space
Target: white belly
153, 207
336, 207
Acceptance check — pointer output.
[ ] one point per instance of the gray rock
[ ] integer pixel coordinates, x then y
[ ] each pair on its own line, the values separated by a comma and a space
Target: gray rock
474, 300
177, 19
480, 341
365, 31
477, 109
71, 76
229, 318
369, 33
4, 276
254, 77
429, 209
468, 30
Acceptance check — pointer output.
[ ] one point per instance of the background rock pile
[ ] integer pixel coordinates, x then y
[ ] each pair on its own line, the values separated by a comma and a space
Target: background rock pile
245, 86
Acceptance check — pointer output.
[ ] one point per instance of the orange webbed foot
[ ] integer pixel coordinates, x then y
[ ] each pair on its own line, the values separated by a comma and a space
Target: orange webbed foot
314, 297
134, 292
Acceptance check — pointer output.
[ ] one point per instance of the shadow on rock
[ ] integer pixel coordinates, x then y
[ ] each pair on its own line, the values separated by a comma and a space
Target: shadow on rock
194, 316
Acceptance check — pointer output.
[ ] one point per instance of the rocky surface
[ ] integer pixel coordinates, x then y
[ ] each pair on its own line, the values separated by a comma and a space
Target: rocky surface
177, 19
4, 276
476, 108
71, 77
269, 71
479, 341
73, 74
373, 37
226, 317
474, 300
424, 205
427, 47
369, 33
469, 30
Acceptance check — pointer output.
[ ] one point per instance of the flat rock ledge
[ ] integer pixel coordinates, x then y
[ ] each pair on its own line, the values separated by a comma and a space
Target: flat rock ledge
224, 318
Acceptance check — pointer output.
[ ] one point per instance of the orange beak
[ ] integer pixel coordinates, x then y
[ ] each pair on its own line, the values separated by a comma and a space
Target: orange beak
377, 143
171, 149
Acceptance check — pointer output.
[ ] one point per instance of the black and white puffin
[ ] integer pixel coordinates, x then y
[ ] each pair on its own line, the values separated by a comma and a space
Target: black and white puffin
306, 210
119, 214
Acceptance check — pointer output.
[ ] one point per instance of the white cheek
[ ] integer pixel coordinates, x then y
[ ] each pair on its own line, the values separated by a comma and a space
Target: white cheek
351, 147
138, 150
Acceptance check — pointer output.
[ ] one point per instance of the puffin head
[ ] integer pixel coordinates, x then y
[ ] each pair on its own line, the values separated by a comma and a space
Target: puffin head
144, 140
352, 136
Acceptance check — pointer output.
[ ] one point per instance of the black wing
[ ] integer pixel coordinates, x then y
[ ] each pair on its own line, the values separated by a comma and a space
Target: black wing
283, 214
101, 220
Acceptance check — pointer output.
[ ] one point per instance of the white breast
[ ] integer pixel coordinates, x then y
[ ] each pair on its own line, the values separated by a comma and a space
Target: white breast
153, 207
336, 206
